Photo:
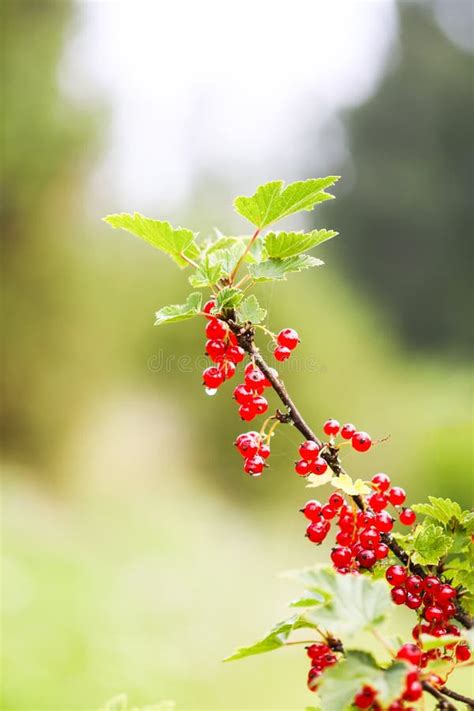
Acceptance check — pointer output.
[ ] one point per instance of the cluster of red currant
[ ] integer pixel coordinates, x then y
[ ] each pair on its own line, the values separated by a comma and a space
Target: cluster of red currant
361, 441
249, 395
222, 348
435, 600
255, 449
286, 342
366, 698
321, 657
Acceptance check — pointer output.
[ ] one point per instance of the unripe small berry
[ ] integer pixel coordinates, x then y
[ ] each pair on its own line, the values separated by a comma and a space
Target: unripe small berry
361, 441
331, 427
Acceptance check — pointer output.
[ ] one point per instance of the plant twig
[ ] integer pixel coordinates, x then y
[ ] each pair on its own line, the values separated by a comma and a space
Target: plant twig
245, 252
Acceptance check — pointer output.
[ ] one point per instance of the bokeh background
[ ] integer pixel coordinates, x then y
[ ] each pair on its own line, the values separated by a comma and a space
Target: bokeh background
136, 553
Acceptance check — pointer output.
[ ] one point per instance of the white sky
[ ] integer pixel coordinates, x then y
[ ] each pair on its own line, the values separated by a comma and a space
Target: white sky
232, 88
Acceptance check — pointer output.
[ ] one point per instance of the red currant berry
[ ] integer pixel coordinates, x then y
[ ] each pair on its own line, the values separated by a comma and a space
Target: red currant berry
365, 519
365, 698
452, 629
413, 691
431, 584
247, 412
449, 609
313, 675
312, 510
383, 522
227, 368
254, 465
381, 482
212, 377
327, 512
341, 557
216, 329
344, 538
369, 537
288, 338
243, 395
264, 451
361, 441
381, 551
302, 467
208, 306
235, 353
309, 450
260, 404
347, 431
248, 446
317, 650
255, 380
329, 659
215, 349
446, 593
331, 427
346, 522
399, 595
317, 532
336, 501
281, 353
433, 614
396, 574
407, 517
463, 653
377, 501
319, 466
414, 584
367, 558
397, 496
413, 601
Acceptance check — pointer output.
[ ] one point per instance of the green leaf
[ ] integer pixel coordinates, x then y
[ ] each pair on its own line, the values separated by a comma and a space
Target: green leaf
206, 275
227, 298
429, 642
442, 510
316, 480
287, 244
277, 637
277, 269
352, 488
430, 544
352, 603
180, 312
308, 600
228, 256
221, 242
272, 202
250, 310
339, 684
174, 242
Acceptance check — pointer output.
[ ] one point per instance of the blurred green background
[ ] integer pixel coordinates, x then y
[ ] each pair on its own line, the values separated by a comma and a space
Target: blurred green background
135, 553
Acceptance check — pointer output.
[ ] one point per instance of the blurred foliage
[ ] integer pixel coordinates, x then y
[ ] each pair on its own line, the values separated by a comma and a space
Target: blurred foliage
407, 215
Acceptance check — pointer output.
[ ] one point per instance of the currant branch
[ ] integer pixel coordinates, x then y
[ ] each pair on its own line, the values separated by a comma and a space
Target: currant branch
245, 338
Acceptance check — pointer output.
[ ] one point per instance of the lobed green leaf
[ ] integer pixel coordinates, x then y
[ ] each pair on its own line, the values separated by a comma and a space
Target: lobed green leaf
250, 310
287, 244
277, 269
442, 510
175, 242
180, 312
276, 638
430, 544
272, 202
227, 298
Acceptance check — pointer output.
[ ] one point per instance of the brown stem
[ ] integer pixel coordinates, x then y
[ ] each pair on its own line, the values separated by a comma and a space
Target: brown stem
444, 704
245, 338
246, 251
458, 697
